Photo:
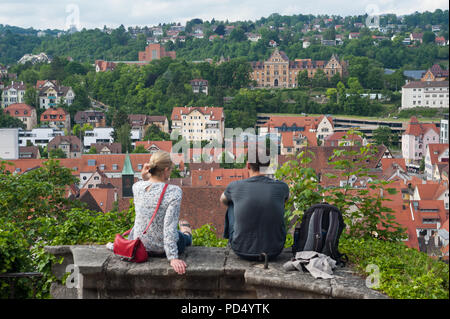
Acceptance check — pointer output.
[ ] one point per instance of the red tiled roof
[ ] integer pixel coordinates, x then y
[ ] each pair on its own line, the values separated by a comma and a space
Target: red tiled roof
74, 141
386, 163
19, 86
320, 156
310, 137
287, 139
40, 83
19, 109
103, 197
59, 112
438, 71
81, 164
105, 65
425, 84
417, 129
216, 113
337, 136
162, 145
427, 191
435, 150
310, 122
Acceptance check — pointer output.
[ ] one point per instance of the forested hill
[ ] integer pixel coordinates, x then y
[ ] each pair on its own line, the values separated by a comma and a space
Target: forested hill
288, 31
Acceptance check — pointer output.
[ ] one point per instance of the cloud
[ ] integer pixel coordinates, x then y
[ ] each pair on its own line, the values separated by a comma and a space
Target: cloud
52, 13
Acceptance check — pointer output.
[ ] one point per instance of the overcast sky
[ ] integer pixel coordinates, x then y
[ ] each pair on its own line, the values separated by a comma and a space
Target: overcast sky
58, 14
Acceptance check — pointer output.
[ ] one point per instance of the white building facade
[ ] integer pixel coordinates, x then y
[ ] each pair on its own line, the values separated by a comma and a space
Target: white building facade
9, 143
14, 93
38, 136
433, 94
98, 135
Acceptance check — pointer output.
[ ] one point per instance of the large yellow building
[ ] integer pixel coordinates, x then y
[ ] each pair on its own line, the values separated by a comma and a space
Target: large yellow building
279, 72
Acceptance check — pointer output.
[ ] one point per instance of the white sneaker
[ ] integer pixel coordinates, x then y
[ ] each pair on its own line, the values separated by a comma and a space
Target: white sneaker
110, 246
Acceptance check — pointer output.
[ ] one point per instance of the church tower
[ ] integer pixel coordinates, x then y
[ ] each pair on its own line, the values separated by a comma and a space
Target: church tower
127, 177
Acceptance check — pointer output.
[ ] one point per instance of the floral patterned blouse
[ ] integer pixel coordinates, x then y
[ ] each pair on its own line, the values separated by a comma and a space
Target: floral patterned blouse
162, 235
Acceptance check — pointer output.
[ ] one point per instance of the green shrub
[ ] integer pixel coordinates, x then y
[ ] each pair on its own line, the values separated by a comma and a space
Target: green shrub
206, 236
405, 273
14, 257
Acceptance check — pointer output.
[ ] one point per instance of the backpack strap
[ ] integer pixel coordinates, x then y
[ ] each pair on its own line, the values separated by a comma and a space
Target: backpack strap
332, 237
309, 242
317, 230
333, 226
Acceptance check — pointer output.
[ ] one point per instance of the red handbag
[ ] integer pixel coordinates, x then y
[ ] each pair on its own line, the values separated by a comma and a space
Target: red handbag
134, 250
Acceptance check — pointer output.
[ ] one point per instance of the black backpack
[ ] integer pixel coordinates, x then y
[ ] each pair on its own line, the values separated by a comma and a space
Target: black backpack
319, 231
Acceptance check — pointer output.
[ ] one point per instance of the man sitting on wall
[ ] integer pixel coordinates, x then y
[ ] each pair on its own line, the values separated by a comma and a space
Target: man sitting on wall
254, 222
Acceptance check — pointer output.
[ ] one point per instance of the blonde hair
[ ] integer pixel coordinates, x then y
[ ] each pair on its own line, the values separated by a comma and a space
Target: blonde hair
159, 161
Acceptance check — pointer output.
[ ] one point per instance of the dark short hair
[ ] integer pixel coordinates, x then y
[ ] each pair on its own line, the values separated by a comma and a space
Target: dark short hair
258, 163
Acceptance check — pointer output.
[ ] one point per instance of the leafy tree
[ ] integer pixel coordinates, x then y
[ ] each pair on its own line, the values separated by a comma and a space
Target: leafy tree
428, 37
384, 136
92, 150
362, 208
7, 121
140, 150
38, 193
120, 118
56, 153
220, 30
320, 79
153, 133
124, 137
238, 35
31, 97
303, 79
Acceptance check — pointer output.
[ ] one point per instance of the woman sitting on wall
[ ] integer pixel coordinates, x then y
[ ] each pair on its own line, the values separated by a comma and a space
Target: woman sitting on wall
162, 238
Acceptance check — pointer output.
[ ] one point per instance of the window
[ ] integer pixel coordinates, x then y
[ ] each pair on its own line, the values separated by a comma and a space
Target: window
139, 166
102, 167
114, 166
430, 220
218, 178
91, 162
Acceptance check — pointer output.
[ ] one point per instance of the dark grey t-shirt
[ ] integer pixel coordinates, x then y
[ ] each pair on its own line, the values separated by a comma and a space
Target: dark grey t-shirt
259, 215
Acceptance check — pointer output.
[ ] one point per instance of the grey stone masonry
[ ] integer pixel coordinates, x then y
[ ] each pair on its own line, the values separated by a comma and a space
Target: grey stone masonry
211, 273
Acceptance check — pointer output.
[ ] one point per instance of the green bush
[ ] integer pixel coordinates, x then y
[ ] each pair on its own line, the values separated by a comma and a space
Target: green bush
14, 257
206, 236
405, 273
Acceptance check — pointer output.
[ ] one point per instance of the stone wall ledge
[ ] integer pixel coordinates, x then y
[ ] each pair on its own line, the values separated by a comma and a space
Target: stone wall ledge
211, 273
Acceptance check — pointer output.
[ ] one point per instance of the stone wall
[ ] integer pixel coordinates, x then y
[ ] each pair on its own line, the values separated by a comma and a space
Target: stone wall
211, 273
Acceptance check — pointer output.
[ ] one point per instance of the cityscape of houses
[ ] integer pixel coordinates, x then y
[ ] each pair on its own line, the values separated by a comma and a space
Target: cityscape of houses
421, 203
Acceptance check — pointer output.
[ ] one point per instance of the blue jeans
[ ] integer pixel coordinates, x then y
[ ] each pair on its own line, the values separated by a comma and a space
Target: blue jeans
184, 240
